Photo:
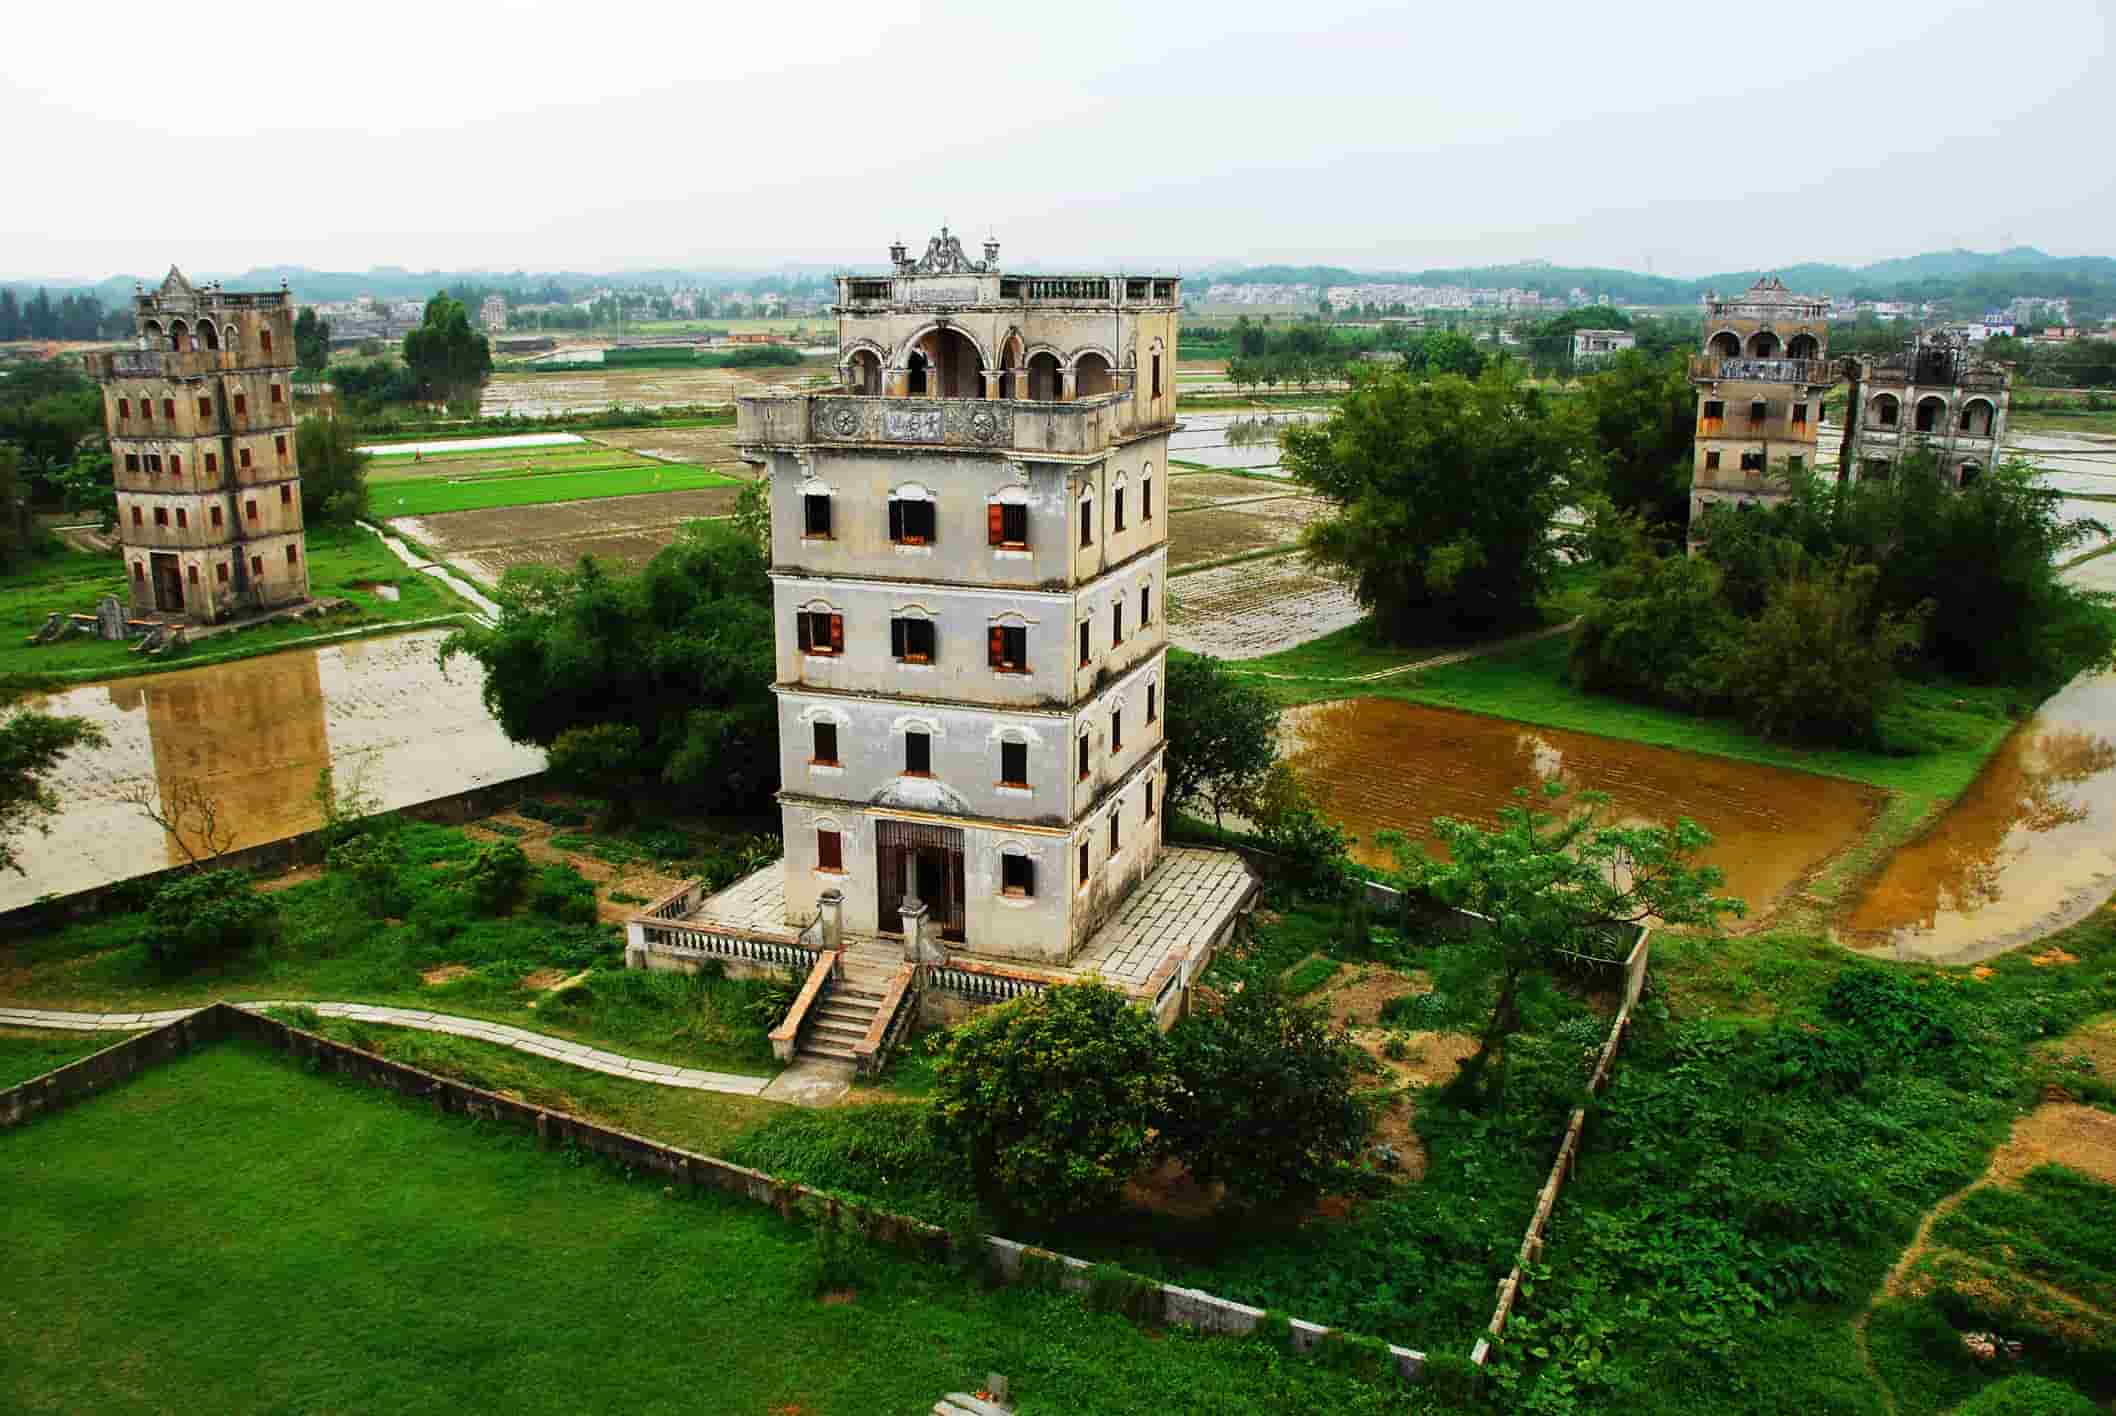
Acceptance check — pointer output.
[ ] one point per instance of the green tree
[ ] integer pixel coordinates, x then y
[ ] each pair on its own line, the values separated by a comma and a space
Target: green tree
333, 471
1551, 883
679, 654
1641, 416
1054, 1099
1445, 493
31, 746
450, 359
1821, 661
86, 485
312, 339
1448, 352
1657, 628
1265, 1099
1221, 736
203, 915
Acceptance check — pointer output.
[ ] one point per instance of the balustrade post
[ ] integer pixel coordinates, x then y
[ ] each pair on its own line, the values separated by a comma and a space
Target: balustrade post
832, 904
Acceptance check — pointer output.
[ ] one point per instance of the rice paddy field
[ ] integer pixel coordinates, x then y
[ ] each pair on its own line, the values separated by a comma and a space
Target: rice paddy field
620, 531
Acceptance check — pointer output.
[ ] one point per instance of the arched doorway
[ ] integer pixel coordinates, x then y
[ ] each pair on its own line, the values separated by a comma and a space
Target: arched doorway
179, 336
1725, 345
1803, 346
1092, 375
1043, 377
1885, 410
953, 366
209, 332
1976, 418
1931, 413
863, 373
1763, 345
916, 372
1011, 381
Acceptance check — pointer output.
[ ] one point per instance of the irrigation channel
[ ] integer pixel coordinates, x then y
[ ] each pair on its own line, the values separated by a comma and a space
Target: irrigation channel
254, 734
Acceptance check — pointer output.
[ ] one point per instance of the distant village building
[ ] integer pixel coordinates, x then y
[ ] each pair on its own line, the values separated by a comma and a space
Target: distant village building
493, 313
1590, 344
1760, 382
201, 421
1935, 397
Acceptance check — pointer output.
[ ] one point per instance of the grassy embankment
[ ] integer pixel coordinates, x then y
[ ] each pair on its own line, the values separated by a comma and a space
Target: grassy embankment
334, 945
215, 1234
31, 1052
345, 563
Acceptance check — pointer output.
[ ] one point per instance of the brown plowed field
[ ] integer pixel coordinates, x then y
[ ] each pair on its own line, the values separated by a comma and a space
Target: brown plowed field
1189, 489
1257, 607
1214, 533
707, 447
620, 531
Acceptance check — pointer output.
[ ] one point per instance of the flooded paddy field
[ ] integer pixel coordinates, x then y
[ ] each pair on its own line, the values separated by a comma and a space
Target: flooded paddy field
1257, 607
253, 735
1213, 533
1376, 763
1195, 489
707, 447
2029, 848
536, 395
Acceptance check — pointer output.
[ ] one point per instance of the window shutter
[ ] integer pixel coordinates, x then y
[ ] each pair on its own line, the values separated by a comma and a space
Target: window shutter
830, 851
1028, 875
837, 634
996, 646
896, 638
995, 524
896, 520
802, 632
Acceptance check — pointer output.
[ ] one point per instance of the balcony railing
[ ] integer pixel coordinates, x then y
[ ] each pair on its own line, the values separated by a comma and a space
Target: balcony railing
1086, 425
1788, 371
176, 364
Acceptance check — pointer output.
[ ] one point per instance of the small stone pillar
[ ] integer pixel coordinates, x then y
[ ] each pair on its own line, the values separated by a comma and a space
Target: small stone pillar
831, 904
914, 913
1068, 385
995, 383
635, 945
110, 618
896, 382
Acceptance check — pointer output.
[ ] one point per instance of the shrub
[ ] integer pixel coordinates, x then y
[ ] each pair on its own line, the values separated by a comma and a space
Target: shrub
1820, 662
1054, 1097
497, 875
2027, 1395
1265, 1098
370, 863
205, 915
564, 894
1310, 849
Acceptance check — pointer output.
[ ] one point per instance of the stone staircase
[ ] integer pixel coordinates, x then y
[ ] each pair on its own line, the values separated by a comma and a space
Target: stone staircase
843, 1012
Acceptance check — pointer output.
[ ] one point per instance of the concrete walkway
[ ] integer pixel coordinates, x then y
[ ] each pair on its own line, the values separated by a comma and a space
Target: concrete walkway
520, 1039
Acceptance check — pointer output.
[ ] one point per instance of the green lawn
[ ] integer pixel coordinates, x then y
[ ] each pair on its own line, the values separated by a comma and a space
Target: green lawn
227, 1233
31, 1052
428, 496
345, 563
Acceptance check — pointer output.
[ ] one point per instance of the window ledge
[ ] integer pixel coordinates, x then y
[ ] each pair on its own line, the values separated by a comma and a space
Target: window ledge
1012, 553
1015, 901
915, 666
1022, 672
1014, 789
837, 874
828, 769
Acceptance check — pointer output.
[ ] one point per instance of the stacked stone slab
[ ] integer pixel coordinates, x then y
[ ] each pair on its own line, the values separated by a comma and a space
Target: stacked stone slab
201, 420
969, 548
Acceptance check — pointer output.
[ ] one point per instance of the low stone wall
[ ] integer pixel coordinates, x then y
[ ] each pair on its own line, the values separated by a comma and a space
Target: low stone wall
1006, 1259
269, 857
1568, 1154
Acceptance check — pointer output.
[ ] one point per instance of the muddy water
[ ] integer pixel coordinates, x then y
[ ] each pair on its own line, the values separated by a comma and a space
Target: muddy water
1374, 763
2029, 848
254, 734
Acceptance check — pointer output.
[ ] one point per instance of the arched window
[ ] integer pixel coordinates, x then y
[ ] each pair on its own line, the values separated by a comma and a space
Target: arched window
1803, 346
1116, 505
864, 373
1887, 410
179, 336
1092, 375
1725, 345
914, 519
1146, 493
1763, 345
1932, 414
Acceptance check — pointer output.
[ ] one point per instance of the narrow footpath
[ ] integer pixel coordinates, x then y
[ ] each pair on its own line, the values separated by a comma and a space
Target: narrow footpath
801, 1085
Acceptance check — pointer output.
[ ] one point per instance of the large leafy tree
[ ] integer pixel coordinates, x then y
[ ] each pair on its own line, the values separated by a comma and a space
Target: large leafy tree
1445, 491
1222, 736
333, 471
1266, 1099
1820, 661
654, 682
1641, 416
1552, 880
31, 745
450, 359
312, 339
1055, 1099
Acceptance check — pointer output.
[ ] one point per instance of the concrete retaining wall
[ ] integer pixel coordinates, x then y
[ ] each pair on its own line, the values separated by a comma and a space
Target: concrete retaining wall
1005, 1258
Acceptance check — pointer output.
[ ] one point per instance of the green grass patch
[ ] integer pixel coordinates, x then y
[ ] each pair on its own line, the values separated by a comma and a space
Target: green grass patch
345, 563
31, 1052
1310, 974
226, 1233
430, 496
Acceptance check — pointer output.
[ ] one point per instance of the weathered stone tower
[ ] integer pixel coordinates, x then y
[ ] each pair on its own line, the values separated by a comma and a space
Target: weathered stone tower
1934, 397
1760, 382
969, 552
201, 422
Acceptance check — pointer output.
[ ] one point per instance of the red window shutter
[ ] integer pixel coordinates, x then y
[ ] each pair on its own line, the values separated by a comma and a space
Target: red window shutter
996, 647
830, 851
176, 464
995, 524
837, 634
169, 408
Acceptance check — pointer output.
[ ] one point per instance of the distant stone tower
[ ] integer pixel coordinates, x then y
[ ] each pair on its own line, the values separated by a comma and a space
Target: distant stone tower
1935, 397
201, 422
1760, 382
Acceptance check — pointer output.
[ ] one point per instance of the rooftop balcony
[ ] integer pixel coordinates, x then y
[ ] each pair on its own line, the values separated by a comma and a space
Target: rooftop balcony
1714, 367
174, 364
871, 293
1084, 427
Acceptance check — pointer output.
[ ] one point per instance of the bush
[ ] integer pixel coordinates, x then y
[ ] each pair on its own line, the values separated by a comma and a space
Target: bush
497, 875
1053, 1098
1265, 1097
370, 864
1310, 849
206, 915
2027, 1395
1820, 662
562, 893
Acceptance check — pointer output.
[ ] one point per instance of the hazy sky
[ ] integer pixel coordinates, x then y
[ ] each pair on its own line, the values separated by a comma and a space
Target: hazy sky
616, 135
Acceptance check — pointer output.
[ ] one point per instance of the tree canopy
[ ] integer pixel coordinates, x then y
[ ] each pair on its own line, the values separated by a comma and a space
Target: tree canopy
655, 682
333, 471
1222, 735
450, 359
1446, 490
31, 745
312, 339
1641, 417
